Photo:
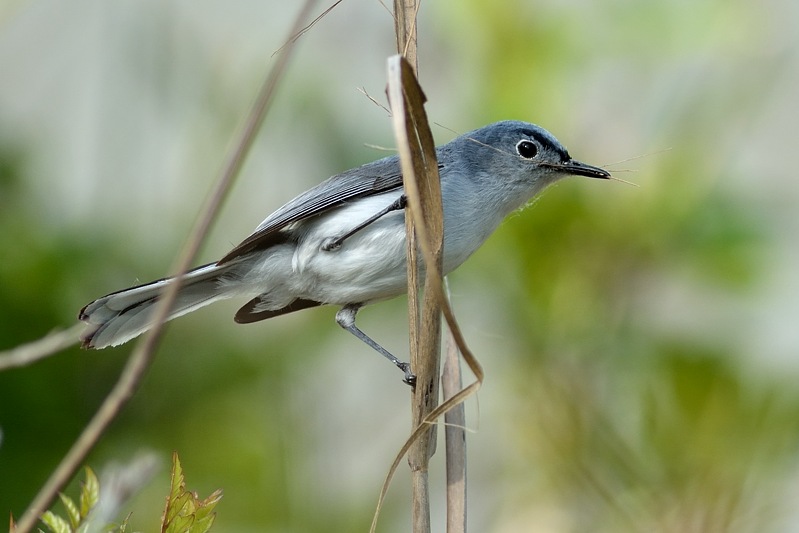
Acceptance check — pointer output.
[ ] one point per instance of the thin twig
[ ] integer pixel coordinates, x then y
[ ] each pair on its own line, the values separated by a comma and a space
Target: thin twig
388, 10
50, 344
143, 354
362, 90
380, 148
305, 29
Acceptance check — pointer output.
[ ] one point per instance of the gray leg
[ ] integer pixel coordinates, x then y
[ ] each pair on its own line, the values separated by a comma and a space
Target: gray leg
346, 319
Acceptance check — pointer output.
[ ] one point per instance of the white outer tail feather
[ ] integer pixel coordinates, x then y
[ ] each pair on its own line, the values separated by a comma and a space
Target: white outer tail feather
121, 316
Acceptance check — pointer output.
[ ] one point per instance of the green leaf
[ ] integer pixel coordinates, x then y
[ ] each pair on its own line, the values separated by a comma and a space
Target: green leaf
184, 511
206, 506
72, 510
202, 526
55, 523
89, 493
177, 487
181, 524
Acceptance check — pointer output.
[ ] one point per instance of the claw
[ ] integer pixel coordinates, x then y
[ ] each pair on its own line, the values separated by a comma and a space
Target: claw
331, 243
410, 377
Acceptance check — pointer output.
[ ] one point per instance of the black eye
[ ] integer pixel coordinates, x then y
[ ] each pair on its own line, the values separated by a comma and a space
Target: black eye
527, 149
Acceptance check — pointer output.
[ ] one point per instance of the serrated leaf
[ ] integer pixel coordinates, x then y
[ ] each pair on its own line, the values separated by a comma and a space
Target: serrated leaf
181, 524
202, 526
177, 480
184, 511
213, 499
72, 510
206, 507
204, 516
176, 489
55, 523
183, 505
89, 493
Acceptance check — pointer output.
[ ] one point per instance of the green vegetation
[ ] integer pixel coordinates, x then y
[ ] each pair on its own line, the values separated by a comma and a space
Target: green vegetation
637, 341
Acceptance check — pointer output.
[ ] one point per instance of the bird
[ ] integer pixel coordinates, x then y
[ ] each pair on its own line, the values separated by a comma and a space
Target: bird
342, 242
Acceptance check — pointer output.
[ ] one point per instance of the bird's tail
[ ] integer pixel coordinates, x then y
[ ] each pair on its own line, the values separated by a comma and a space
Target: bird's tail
120, 316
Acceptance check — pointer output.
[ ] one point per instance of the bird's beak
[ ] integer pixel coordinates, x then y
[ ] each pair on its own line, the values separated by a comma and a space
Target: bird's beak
576, 168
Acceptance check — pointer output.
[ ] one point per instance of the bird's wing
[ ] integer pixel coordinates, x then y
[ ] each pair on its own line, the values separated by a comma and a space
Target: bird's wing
373, 178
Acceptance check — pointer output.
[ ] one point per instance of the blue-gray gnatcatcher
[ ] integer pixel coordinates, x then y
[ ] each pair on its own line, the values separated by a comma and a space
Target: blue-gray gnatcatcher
343, 241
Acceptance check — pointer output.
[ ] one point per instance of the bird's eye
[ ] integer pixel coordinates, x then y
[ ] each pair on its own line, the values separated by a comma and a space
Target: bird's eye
527, 149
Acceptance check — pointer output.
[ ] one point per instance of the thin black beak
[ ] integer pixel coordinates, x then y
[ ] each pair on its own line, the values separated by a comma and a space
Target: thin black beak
576, 168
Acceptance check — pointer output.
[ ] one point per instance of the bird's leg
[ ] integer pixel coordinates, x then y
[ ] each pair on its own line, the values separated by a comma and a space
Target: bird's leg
346, 319
335, 242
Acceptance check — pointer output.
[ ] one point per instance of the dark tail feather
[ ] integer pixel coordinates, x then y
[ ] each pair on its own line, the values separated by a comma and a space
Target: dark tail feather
121, 316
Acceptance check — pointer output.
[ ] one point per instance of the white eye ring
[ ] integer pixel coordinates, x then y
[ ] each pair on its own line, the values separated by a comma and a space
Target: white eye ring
527, 149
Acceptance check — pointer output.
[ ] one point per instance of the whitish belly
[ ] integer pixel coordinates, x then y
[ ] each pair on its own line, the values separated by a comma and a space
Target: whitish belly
369, 265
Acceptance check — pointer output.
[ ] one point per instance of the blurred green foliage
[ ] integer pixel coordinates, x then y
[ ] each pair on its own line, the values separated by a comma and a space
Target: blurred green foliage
614, 414
77, 514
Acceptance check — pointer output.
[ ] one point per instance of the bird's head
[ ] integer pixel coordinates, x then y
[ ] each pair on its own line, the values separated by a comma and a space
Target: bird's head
524, 152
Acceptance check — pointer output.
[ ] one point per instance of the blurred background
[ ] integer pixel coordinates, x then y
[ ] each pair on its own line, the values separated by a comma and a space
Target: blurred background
640, 344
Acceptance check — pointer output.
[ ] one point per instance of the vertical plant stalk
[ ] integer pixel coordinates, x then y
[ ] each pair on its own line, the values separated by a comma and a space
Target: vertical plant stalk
455, 440
405, 31
423, 190
404, 91
418, 163
142, 356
